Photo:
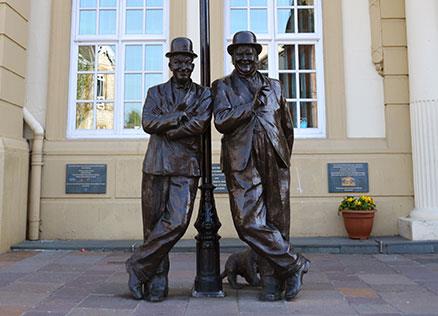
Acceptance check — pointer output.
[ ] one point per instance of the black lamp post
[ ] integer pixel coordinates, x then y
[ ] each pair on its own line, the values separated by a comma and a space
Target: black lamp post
207, 282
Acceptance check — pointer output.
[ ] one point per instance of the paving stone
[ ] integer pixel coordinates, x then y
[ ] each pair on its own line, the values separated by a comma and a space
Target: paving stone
375, 309
359, 292
423, 302
59, 267
169, 307
51, 277
28, 287
43, 313
109, 302
16, 256
55, 304
11, 310
74, 294
100, 312
7, 278
21, 299
112, 289
386, 279
320, 307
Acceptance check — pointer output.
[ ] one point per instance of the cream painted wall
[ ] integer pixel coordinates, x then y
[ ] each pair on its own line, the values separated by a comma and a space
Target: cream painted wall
363, 85
14, 150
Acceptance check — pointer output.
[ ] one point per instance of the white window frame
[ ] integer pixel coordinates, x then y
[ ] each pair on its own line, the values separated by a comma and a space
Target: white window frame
119, 40
273, 39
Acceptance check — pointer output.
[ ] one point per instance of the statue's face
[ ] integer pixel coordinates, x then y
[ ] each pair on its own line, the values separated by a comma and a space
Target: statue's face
181, 66
245, 59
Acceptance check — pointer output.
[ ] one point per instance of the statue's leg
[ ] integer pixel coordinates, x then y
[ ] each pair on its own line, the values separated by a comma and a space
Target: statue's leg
172, 224
153, 201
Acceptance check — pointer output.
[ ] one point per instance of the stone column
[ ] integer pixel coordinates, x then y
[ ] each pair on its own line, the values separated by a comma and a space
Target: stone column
422, 35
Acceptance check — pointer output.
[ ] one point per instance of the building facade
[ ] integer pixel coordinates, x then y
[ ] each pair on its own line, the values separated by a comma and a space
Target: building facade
74, 74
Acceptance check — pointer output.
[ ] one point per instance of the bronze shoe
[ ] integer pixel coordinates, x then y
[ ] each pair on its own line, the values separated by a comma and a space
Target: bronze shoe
294, 283
157, 289
271, 289
134, 283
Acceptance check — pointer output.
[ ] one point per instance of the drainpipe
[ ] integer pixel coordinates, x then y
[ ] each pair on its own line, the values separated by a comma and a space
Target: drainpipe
35, 175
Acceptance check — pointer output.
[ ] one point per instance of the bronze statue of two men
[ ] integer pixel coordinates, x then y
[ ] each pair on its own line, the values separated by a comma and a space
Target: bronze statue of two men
257, 127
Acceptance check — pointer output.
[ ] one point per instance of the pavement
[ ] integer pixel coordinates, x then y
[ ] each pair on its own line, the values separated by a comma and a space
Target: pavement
95, 283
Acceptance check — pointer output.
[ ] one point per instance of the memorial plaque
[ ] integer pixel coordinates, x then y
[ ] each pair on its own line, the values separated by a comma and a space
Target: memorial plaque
85, 179
348, 177
218, 179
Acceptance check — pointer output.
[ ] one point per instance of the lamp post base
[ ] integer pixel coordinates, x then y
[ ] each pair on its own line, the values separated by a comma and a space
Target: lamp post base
218, 294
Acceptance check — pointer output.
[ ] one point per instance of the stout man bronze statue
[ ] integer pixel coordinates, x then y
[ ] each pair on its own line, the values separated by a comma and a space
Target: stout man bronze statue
257, 129
175, 114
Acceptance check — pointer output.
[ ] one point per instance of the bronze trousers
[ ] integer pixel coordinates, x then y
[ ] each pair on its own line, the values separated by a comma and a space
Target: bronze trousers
259, 200
167, 205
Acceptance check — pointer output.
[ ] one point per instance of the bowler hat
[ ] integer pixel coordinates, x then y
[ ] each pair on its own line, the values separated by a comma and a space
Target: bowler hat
244, 38
181, 45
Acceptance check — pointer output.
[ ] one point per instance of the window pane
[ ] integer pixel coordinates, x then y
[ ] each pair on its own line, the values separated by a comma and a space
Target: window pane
86, 58
104, 116
305, 2
88, 3
309, 115
134, 21
87, 22
263, 58
286, 57
259, 20
152, 80
154, 21
134, 3
293, 109
105, 87
238, 3
107, 22
132, 87
305, 21
288, 85
307, 56
132, 115
154, 3
285, 21
107, 3
154, 58
133, 55
285, 3
85, 87
106, 58
238, 20
261, 3
84, 116
308, 86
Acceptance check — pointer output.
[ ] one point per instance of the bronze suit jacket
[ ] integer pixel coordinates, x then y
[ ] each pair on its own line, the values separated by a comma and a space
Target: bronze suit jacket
175, 149
235, 117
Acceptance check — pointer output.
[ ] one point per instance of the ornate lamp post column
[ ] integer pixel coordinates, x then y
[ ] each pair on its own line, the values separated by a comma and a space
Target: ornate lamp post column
207, 282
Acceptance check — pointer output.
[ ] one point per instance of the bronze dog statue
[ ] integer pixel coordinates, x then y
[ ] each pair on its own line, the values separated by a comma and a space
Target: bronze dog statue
242, 263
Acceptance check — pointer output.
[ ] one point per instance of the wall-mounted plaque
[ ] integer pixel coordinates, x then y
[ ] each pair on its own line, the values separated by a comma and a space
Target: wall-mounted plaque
85, 179
348, 177
218, 179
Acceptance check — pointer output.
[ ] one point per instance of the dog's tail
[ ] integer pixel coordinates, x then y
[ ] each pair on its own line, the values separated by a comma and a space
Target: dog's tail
223, 274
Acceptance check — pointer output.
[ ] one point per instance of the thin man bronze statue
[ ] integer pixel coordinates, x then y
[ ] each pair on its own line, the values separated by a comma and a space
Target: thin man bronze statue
257, 127
175, 114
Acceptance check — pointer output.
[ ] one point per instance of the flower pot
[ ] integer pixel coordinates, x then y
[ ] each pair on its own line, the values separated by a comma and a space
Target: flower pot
358, 223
